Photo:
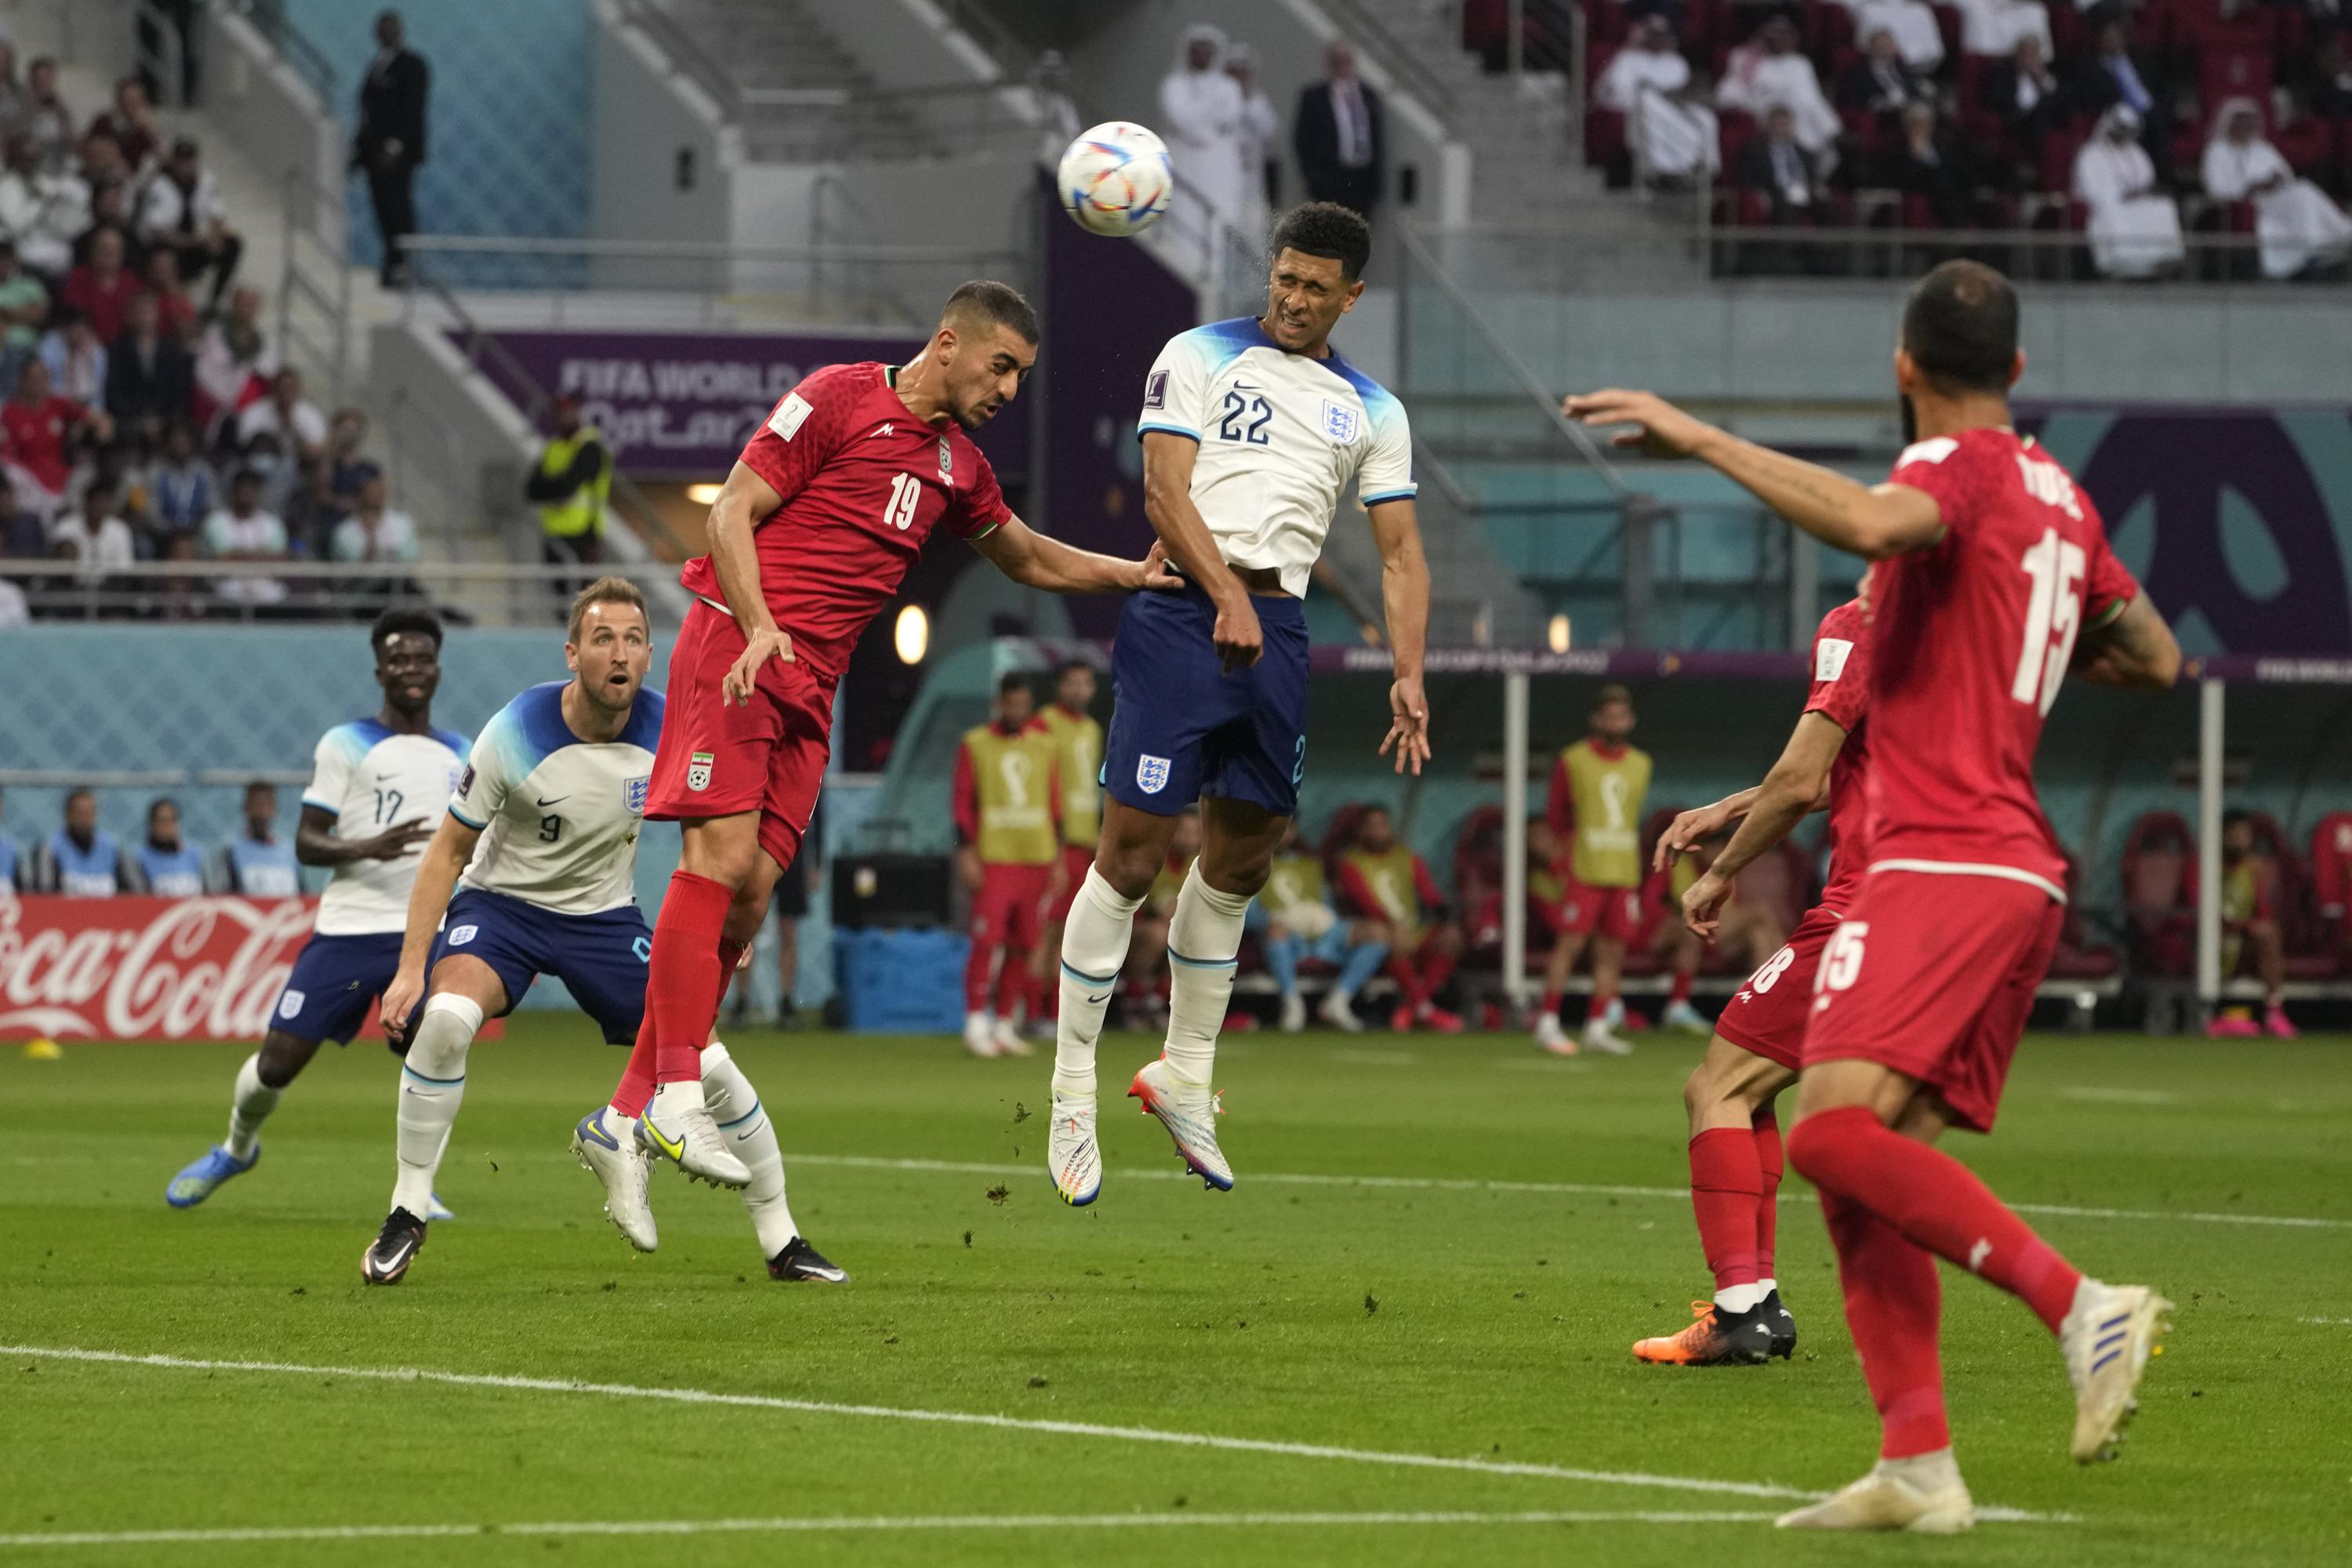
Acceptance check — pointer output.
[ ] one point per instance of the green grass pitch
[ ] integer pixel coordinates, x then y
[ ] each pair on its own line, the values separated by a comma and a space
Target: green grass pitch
1474, 1308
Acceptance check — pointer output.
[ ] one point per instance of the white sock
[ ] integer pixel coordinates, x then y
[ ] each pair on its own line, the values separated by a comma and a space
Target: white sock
1204, 935
431, 1087
1739, 1298
1094, 950
1929, 1472
248, 1107
751, 1137
1767, 1287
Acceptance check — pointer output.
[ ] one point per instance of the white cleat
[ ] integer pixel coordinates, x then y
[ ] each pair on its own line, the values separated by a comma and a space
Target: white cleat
1190, 1112
2108, 1338
1599, 1036
1338, 1010
616, 1160
1008, 1040
1294, 1014
677, 1126
1551, 1037
1684, 1017
1884, 1501
980, 1034
1073, 1158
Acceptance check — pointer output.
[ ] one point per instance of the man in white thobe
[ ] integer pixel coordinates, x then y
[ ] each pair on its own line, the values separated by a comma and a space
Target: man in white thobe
1646, 82
1916, 36
1200, 118
1768, 70
2297, 224
2135, 227
1254, 134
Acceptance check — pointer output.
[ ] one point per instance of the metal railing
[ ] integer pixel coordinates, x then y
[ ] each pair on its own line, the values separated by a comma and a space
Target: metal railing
314, 283
293, 45
2046, 255
496, 593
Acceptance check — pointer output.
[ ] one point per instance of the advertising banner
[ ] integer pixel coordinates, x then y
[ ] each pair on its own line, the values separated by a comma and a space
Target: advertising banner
145, 968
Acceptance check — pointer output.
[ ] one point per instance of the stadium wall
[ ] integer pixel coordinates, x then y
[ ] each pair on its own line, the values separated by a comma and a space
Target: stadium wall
666, 161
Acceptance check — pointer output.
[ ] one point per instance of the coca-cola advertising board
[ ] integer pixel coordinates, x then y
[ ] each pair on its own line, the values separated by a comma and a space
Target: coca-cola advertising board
145, 969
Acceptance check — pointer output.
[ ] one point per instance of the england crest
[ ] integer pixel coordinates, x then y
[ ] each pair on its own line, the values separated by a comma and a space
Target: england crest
634, 793
697, 769
463, 935
1340, 422
290, 1005
1150, 774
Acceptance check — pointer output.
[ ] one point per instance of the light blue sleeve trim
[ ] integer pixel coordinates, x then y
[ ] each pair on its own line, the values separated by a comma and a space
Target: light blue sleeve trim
468, 821
1405, 494
1144, 429
322, 806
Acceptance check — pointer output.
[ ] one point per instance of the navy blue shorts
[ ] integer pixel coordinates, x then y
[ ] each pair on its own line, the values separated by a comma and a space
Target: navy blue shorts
600, 958
336, 979
1182, 727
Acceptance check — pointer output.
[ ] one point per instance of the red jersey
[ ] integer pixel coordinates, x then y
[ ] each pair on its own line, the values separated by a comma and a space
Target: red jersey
1841, 694
37, 438
1969, 639
864, 483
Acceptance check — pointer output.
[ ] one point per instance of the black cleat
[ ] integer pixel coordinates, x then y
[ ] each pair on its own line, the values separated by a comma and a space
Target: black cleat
799, 1260
394, 1249
1783, 1326
1715, 1337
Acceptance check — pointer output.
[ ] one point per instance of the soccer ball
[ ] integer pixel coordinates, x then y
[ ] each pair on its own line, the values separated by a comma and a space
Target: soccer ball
1115, 179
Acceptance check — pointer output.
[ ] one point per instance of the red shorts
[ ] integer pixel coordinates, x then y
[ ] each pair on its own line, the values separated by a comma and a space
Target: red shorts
1769, 1014
716, 759
1005, 909
1934, 975
1589, 911
1077, 861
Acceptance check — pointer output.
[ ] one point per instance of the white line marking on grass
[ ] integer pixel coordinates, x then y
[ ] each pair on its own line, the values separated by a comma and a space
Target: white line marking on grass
1563, 1189
2095, 1095
949, 1522
1356, 1057
2326, 1322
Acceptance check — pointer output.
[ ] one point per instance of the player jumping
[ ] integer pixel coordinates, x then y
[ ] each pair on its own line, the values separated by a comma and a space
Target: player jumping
374, 788
1735, 1138
818, 521
1990, 566
1251, 430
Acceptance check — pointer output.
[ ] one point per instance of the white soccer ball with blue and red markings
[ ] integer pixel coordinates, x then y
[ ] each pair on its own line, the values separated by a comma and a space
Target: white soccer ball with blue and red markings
1115, 179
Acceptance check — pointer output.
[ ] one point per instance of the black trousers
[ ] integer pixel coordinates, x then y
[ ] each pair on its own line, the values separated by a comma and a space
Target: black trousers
395, 212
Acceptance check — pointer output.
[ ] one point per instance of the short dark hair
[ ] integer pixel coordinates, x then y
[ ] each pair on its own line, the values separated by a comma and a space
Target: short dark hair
253, 785
1011, 681
1612, 692
1067, 665
158, 803
403, 619
1325, 229
998, 304
1959, 327
81, 791
2234, 816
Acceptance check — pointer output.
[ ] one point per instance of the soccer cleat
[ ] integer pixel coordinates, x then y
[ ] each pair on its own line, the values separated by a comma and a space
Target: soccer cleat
1338, 1010
2232, 1027
2108, 1338
1294, 1013
1073, 1158
980, 1034
1884, 1501
623, 1167
1552, 1037
1715, 1337
1439, 1019
394, 1249
799, 1260
1782, 1323
201, 1180
675, 1126
1400, 1021
1008, 1041
1599, 1037
1189, 1114
1684, 1017
2275, 1023
435, 1211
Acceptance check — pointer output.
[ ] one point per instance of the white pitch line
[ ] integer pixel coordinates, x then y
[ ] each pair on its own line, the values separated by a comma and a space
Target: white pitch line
946, 1522
1560, 1189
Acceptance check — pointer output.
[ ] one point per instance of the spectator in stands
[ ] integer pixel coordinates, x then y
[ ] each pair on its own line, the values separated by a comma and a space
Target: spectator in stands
47, 123
103, 162
2135, 226
8, 859
23, 534
109, 206
1383, 881
175, 310
77, 359
1340, 136
375, 531
1879, 83
1200, 114
1295, 920
342, 469
151, 379
257, 862
101, 287
130, 123
294, 419
182, 212
101, 540
24, 311
234, 357
1645, 82
243, 532
2300, 229
15, 609
1767, 72
2116, 73
1991, 29
2025, 93
2250, 930
1917, 38
1057, 113
183, 492
1777, 165
389, 143
2328, 89
15, 101
80, 859
167, 865
1253, 143
283, 492
570, 485
1927, 165
42, 432
43, 212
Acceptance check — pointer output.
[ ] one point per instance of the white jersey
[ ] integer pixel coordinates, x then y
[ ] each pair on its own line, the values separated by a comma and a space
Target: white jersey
559, 816
372, 778
1281, 436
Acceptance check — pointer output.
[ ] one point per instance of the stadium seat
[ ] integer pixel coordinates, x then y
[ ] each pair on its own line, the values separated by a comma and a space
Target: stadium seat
2159, 909
2080, 956
2331, 883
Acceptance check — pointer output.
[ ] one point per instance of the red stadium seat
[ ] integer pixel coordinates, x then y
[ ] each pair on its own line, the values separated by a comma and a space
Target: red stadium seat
2331, 884
2231, 69
2159, 910
1604, 136
2308, 145
2080, 956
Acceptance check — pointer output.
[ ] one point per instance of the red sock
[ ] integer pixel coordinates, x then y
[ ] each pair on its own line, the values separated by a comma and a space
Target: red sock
1894, 1304
1012, 986
1600, 1000
1936, 1202
1682, 991
682, 980
1767, 1136
1436, 969
976, 977
636, 1084
730, 955
1551, 1002
1408, 978
1725, 1183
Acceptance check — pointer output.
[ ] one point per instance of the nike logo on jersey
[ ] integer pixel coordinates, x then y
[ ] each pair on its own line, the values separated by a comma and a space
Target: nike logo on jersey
552, 800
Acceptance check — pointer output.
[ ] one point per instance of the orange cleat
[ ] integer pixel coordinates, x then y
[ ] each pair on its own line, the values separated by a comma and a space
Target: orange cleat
1715, 1337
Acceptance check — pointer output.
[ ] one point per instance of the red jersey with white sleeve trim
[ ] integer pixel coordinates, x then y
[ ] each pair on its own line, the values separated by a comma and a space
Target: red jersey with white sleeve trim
864, 483
1841, 693
1970, 639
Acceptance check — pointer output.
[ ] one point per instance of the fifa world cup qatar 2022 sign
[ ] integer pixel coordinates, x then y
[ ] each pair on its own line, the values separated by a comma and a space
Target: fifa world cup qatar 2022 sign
145, 968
